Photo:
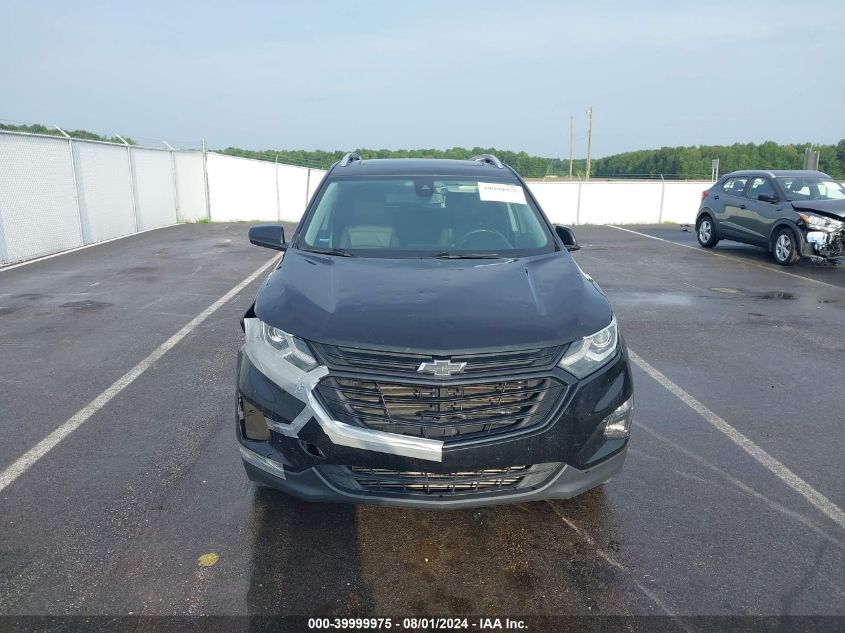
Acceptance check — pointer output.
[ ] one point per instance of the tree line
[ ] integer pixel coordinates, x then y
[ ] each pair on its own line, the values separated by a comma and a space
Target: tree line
694, 162
671, 162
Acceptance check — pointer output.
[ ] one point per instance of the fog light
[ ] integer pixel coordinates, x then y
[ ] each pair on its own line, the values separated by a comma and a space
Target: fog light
618, 424
255, 426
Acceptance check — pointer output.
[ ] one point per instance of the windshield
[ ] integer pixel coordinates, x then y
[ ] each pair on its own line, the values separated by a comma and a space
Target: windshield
811, 188
417, 216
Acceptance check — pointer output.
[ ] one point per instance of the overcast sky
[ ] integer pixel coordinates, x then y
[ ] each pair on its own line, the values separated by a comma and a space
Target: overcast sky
340, 75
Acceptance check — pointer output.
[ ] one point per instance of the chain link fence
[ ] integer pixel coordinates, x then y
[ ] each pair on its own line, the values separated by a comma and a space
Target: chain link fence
60, 193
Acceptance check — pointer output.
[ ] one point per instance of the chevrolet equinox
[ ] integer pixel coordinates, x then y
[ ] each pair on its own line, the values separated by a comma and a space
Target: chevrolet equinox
428, 341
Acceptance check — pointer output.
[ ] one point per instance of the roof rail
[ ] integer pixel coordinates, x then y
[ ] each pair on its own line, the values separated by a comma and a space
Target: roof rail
489, 159
348, 158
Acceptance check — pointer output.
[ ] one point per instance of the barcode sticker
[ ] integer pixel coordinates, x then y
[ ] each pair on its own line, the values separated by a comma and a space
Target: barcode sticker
500, 192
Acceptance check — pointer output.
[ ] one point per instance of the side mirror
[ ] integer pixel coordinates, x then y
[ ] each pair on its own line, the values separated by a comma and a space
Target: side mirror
567, 237
765, 198
268, 236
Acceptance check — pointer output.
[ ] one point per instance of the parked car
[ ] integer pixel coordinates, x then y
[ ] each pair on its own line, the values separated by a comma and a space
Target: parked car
792, 214
427, 340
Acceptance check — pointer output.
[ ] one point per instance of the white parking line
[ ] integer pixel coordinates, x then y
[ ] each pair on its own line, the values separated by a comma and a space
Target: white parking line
615, 563
813, 496
22, 464
704, 251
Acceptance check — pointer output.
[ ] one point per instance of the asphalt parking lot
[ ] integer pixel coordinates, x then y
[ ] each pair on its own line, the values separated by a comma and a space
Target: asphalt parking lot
730, 502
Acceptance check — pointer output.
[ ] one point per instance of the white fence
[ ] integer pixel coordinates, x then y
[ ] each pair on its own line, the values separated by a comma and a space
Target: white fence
619, 201
242, 189
57, 194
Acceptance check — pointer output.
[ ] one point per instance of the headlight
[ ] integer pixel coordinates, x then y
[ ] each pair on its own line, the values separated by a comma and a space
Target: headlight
292, 349
821, 223
591, 352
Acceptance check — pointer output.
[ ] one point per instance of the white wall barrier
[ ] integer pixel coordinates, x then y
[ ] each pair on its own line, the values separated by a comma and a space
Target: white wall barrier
58, 193
619, 201
104, 187
190, 186
38, 210
244, 189
155, 193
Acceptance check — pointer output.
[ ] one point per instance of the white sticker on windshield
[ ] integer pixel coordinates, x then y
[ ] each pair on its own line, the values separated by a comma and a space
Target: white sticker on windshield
499, 192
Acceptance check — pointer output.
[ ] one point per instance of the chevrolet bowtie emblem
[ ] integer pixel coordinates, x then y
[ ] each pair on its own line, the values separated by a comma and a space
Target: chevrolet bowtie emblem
441, 368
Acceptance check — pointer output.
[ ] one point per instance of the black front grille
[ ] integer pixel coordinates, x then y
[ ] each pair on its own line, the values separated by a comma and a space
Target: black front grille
398, 363
441, 411
488, 480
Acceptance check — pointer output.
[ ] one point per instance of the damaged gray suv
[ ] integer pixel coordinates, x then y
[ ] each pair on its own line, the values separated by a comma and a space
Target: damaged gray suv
428, 341
792, 214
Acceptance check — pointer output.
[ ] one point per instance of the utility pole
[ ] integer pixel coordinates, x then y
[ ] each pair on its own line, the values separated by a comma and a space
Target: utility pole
589, 138
571, 129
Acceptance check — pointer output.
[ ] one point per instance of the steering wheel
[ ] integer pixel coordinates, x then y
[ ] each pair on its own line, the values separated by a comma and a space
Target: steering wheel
499, 240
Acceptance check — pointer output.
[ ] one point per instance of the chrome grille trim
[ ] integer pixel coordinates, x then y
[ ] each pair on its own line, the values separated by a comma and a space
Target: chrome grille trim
406, 364
441, 411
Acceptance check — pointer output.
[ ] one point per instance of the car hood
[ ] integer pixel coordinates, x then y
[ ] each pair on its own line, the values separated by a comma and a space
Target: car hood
834, 208
431, 305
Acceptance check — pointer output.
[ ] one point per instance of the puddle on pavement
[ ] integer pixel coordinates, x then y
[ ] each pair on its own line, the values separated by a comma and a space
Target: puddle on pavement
775, 294
766, 296
86, 305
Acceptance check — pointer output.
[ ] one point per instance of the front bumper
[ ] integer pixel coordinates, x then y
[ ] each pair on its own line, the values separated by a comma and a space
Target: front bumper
307, 450
823, 245
312, 484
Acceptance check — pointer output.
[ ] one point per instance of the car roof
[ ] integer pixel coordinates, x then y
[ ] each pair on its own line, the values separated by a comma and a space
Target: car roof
422, 167
776, 173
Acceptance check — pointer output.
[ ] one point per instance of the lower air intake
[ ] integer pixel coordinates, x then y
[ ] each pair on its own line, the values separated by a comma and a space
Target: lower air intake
488, 480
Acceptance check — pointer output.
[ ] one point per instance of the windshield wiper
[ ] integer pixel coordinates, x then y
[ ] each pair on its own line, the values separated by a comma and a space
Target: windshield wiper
448, 255
329, 251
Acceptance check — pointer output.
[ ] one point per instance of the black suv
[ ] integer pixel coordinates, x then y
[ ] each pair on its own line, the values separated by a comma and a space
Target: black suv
427, 340
789, 213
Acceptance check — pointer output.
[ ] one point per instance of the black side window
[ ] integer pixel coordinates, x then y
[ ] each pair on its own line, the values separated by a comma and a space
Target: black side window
734, 186
761, 187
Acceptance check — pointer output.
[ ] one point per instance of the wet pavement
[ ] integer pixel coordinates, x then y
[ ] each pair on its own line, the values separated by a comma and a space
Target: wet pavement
114, 518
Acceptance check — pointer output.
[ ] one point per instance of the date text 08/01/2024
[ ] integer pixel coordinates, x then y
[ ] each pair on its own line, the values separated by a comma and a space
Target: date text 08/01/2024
416, 623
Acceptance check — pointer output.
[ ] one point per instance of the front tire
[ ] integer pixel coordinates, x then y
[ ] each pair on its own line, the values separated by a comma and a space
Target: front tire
706, 232
785, 247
